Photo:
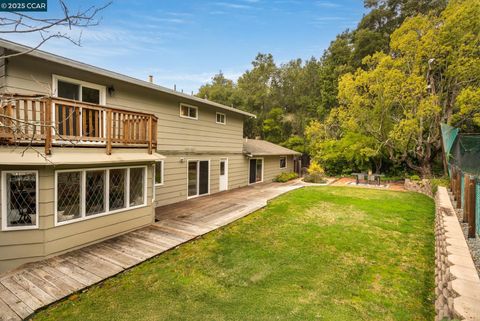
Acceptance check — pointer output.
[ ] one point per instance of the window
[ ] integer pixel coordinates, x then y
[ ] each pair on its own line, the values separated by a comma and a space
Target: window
84, 194
117, 188
283, 161
68, 90
19, 200
187, 111
159, 173
137, 186
95, 192
69, 189
221, 118
79, 90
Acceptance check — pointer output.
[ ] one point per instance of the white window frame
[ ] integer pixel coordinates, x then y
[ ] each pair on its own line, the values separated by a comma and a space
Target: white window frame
263, 170
198, 177
188, 106
286, 162
224, 118
84, 171
5, 226
81, 83
155, 173
102, 102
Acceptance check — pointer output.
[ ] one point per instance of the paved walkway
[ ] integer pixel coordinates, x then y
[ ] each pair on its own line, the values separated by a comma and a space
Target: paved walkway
35, 285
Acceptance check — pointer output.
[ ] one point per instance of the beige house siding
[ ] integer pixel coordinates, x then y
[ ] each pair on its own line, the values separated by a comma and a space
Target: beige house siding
272, 167
174, 188
20, 246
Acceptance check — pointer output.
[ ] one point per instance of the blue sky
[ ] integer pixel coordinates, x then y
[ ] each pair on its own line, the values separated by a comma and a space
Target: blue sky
186, 42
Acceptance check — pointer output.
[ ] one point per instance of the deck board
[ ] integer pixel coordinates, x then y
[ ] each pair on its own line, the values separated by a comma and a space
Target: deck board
14, 303
34, 285
7, 313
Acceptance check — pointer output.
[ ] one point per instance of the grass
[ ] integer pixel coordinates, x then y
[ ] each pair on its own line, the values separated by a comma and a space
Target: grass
318, 253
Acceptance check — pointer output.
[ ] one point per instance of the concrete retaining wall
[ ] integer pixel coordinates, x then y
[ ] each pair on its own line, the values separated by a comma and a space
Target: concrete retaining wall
457, 285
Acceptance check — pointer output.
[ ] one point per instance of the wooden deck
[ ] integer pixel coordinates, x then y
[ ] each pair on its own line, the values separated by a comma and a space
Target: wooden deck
35, 285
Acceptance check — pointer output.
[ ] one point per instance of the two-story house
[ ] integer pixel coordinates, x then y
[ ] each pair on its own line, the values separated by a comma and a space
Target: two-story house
87, 154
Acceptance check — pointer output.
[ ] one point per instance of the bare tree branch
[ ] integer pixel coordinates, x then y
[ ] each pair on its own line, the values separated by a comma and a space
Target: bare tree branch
47, 28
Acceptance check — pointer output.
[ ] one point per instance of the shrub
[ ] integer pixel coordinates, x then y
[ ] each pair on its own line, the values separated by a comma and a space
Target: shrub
315, 173
314, 179
415, 178
315, 169
436, 182
285, 177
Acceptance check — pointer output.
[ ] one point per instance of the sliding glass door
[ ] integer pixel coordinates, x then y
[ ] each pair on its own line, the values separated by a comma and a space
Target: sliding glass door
256, 170
198, 178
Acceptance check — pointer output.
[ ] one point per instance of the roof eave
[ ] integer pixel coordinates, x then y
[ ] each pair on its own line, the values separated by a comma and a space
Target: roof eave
111, 74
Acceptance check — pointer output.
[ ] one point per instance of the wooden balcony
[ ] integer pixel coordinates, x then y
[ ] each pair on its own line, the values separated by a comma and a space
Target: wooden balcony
62, 122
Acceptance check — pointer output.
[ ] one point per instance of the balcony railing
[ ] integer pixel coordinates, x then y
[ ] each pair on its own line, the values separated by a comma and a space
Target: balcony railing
56, 121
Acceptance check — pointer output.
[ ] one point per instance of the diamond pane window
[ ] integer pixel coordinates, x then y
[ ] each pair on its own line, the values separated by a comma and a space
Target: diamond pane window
69, 187
94, 192
118, 178
137, 186
21, 199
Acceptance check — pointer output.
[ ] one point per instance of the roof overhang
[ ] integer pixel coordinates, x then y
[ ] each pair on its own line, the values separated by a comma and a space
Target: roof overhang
269, 154
111, 74
74, 156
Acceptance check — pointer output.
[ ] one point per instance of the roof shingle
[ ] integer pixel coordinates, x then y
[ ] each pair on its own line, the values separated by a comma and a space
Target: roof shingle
257, 147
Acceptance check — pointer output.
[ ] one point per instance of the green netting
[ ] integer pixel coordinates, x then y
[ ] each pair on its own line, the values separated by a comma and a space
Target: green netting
449, 134
462, 152
477, 206
465, 154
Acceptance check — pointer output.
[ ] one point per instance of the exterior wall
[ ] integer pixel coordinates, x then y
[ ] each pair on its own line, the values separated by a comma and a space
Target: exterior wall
272, 167
21, 246
30, 75
174, 188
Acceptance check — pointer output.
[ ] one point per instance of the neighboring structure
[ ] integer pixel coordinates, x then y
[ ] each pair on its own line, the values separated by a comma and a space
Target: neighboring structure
87, 154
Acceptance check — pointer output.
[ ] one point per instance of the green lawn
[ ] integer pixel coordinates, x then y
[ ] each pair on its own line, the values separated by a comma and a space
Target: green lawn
318, 253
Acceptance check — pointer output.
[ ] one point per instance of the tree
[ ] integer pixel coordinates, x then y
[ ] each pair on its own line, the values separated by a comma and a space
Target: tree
400, 98
254, 88
220, 90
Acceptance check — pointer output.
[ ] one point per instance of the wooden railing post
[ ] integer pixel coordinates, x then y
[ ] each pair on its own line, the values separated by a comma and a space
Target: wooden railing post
109, 132
466, 182
9, 122
471, 207
459, 189
150, 134
48, 127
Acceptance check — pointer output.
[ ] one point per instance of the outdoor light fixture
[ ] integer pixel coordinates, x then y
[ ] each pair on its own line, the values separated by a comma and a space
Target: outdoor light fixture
111, 90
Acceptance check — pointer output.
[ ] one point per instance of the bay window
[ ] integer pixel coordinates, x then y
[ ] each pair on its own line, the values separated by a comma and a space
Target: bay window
87, 193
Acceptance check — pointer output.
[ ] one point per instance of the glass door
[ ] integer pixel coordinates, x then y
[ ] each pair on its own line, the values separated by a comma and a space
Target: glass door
256, 170
198, 178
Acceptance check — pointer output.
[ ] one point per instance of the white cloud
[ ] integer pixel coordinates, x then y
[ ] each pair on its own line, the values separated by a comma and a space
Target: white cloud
233, 5
327, 4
